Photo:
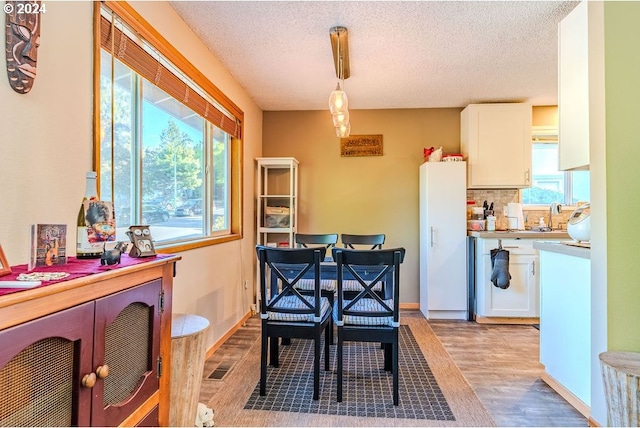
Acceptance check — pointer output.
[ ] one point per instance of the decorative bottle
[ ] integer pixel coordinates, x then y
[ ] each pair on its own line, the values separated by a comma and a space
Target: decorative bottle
84, 249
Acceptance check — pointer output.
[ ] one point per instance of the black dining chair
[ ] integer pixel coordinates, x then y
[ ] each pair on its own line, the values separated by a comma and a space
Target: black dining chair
372, 242
307, 285
304, 240
375, 241
327, 241
368, 317
285, 312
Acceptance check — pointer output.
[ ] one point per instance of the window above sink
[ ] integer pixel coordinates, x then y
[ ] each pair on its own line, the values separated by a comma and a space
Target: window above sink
549, 184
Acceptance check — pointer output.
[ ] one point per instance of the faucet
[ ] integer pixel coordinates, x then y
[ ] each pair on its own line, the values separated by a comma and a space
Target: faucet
554, 208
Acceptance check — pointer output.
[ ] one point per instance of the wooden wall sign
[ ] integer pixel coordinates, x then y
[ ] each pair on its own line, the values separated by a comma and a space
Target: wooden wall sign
361, 145
22, 31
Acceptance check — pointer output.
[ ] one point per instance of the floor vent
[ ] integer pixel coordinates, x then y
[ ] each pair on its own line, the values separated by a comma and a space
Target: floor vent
222, 370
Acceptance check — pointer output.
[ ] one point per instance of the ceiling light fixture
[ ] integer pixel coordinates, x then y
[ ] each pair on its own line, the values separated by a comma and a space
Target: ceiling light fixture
338, 100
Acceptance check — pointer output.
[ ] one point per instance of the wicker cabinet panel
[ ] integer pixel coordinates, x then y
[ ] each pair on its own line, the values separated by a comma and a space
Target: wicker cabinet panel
40, 362
127, 340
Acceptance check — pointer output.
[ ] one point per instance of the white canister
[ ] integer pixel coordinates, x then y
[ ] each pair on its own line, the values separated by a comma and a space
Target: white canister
491, 223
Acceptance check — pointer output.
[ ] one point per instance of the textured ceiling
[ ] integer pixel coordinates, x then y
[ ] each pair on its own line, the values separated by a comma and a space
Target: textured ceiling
412, 54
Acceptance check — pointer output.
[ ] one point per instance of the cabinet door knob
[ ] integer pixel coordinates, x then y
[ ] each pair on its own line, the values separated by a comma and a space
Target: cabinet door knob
89, 380
102, 371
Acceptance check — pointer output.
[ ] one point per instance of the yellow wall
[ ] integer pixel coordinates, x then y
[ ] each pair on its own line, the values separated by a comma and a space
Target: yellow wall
545, 116
377, 194
47, 149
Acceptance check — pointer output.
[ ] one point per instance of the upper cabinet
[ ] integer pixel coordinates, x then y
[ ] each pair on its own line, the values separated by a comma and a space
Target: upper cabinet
496, 141
578, 47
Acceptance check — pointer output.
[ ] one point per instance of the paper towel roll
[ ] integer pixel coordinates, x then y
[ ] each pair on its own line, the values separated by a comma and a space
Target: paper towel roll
514, 210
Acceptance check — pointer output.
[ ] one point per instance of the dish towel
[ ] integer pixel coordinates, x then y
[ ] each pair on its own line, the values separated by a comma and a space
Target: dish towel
500, 275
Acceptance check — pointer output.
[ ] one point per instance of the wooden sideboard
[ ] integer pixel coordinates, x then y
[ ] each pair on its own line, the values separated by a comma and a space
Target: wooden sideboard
90, 351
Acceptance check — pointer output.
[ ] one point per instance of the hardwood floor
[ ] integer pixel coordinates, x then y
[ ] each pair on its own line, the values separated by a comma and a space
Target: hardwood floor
500, 362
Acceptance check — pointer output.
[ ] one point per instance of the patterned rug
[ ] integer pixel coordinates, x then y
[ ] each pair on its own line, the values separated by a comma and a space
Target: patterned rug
367, 388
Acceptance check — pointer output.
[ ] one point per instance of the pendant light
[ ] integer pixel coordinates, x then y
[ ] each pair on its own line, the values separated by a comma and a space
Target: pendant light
343, 131
338, 100
340, 118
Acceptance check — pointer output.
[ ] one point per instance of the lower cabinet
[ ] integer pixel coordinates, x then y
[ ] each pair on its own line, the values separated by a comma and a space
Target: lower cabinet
520, 299
91, 364
92, 351
565, 325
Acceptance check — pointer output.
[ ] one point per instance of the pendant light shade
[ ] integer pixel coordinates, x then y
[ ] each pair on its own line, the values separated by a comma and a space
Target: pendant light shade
340, 119
343, 130
338, 101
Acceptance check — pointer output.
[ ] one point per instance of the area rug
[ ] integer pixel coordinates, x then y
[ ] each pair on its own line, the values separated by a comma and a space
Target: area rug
433, 392
367, 388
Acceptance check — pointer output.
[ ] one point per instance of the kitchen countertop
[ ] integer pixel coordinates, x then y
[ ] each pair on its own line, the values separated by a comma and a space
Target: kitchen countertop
569, 248
519, 234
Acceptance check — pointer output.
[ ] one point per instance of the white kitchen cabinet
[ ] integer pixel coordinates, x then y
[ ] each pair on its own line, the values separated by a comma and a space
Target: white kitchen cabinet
580, 38
443, 196
496, 142
520, 299
565, 322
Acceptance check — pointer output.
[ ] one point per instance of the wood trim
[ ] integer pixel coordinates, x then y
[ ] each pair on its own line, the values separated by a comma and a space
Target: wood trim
26, 305
190, 245
410, 306
142, 411
226, 336
96, 90
592, 422
165, 348
500, 320
578, 404
237, 180
136, 21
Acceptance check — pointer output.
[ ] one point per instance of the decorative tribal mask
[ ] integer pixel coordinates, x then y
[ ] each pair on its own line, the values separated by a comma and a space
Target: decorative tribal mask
22, 32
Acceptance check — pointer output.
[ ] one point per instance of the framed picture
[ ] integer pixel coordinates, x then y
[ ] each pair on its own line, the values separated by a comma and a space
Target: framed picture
361, 145
5, 267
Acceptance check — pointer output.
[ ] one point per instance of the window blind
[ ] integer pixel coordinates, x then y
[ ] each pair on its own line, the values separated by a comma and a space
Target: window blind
125, 49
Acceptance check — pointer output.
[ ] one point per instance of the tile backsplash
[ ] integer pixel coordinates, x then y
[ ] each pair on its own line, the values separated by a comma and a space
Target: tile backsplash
500, 199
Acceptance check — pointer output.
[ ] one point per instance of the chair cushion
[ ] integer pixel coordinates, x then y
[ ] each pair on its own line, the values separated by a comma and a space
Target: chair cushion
309, 284
366, 305
353, 285
294, 302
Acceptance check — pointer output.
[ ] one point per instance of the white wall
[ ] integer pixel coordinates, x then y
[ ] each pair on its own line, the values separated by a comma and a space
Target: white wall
47, 133
47, 149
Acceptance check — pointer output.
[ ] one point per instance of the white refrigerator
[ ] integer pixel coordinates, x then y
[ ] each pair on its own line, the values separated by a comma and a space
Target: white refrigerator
443, 240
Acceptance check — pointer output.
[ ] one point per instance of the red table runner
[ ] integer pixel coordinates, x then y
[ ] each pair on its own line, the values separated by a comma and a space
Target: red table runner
76, 268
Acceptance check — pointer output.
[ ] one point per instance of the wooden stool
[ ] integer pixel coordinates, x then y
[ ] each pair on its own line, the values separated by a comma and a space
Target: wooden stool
187, 362
621, 376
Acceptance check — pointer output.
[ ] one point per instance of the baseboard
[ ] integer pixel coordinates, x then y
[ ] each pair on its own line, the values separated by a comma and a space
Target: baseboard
227, 335
409, 305
447, 315
505, 320
578, 404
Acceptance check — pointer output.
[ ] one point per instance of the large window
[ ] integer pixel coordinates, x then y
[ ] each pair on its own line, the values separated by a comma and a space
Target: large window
168, 150
548, 183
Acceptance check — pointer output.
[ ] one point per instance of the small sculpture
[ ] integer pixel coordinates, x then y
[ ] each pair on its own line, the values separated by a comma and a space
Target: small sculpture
22, 38
112, 257
204, 416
